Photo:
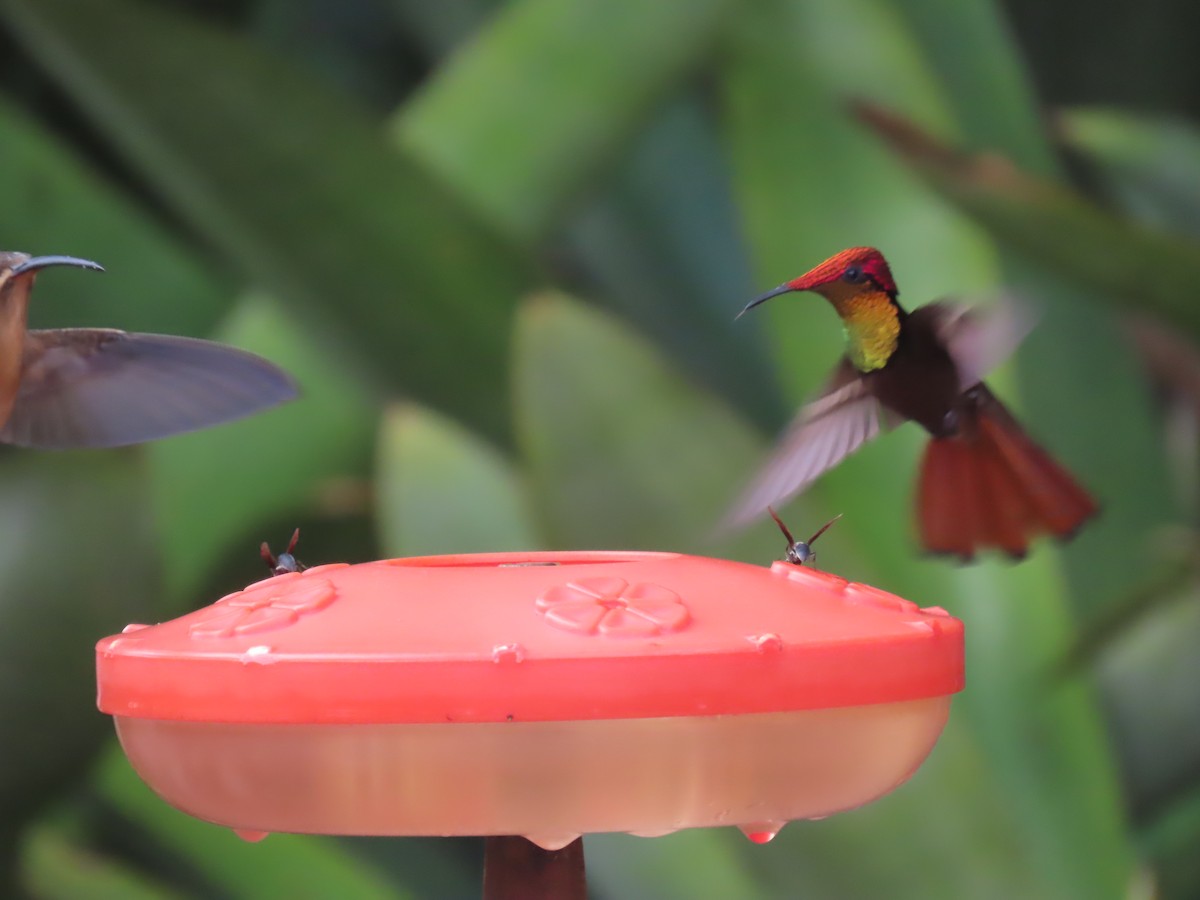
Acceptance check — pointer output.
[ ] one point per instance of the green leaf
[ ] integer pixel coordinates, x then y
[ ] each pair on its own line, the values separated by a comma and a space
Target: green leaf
809, 181
1049, 784
55, 204
1150, 165
600, 421
1096, 379
953, 803
969, 47
298, 187
1151, 677
442, 489
54, 868
1080, 349
548, 95
1171, 844
698, 862
1137, 266
622, 452
426, 866
282, 865
664, 247
441, 27
214, 488
78, 561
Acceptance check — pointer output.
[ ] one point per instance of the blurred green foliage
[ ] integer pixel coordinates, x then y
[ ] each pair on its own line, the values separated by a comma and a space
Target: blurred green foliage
500, 244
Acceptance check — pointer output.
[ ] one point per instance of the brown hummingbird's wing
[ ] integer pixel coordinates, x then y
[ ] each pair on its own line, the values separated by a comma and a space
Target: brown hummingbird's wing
978, 338
825, 432
97, 387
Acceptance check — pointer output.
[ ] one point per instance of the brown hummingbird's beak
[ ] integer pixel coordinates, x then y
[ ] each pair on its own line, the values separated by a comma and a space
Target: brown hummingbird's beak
42, 262
775, 292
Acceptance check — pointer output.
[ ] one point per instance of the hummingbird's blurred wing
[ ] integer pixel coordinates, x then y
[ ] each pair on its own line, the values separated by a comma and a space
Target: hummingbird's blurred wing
99, 387
825, 432
978, 338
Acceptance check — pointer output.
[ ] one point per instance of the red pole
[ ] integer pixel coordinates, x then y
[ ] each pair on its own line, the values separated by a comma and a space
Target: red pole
517, 869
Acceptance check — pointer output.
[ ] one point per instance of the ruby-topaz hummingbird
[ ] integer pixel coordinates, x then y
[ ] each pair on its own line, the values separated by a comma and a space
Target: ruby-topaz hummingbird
983, 481
98, 387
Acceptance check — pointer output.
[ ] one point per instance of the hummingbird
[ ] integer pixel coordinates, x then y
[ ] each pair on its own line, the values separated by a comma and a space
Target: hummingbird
983, 481
71, 388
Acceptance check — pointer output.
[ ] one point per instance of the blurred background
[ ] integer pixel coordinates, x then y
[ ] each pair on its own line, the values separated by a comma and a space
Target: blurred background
501, 244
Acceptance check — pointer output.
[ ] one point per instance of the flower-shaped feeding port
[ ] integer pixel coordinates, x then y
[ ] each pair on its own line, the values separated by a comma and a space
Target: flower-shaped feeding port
613, 606
542, 694
263, 607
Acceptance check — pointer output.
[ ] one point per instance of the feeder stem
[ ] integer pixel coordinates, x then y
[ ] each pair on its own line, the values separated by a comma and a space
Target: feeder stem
517, 869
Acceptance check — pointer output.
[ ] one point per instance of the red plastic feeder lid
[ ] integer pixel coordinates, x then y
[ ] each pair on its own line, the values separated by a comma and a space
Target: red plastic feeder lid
532, 637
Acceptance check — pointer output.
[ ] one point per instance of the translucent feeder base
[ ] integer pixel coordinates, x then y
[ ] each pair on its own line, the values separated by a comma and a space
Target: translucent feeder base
548, 781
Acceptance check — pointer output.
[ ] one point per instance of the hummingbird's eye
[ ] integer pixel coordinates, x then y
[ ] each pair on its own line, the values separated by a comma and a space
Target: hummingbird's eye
854, 275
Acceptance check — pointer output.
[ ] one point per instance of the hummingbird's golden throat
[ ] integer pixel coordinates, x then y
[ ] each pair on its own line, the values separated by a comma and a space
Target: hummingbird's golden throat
871, 319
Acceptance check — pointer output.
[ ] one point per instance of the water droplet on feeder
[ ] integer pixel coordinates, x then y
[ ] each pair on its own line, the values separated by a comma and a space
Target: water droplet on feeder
653, 832
766, 643
761, 832
551, 841
249, 835
259, 653
508, 653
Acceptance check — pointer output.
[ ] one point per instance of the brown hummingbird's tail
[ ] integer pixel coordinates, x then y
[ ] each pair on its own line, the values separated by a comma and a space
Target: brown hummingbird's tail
990, 485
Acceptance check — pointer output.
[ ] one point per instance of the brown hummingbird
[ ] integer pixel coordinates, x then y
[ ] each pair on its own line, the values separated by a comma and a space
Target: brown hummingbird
98, 387
983, 481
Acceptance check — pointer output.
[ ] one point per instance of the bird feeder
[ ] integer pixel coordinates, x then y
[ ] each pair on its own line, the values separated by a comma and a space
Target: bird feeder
546, 695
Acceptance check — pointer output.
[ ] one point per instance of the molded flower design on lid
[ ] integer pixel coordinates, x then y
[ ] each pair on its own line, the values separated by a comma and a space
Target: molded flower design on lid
614, 607
272, 603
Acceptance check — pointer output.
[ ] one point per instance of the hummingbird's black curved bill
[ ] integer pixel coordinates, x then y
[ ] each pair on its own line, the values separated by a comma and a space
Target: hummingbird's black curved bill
42, 262
775, 292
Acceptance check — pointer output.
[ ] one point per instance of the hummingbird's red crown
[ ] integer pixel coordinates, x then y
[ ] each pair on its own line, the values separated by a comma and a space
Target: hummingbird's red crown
868, 259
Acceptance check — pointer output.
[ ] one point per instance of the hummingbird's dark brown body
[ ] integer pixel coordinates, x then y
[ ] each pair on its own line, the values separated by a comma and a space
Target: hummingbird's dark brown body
919, 381
983, 481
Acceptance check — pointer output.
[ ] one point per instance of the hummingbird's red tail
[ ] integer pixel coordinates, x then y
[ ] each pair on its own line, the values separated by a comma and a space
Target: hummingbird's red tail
990, 485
